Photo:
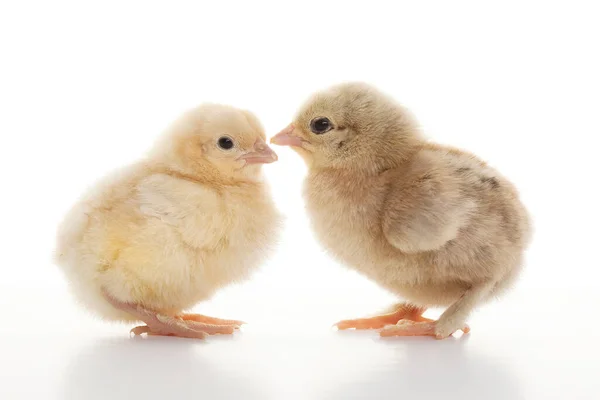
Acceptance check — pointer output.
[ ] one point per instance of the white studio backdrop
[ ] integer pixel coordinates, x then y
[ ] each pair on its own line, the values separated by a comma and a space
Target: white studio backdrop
87, 87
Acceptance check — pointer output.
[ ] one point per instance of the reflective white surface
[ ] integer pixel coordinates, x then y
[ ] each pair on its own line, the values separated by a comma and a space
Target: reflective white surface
531, 346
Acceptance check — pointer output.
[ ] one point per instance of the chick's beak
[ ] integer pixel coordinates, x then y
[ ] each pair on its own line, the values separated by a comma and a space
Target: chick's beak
287, 138
261, 154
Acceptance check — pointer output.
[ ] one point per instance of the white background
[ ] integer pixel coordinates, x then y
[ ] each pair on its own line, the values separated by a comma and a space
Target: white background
86, 87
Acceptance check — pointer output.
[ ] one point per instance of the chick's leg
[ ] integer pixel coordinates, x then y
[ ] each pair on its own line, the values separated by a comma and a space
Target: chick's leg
452, 320
166, 325
404, 312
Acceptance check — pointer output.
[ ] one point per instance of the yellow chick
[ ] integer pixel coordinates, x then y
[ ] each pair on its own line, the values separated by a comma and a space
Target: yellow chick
432, 224
165, 233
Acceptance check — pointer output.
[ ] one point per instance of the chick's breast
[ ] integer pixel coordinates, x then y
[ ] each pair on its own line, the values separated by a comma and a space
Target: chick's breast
345, 215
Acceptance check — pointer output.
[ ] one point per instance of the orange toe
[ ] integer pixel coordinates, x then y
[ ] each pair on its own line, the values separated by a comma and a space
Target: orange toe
409, 328
405, 312
211, 320
161, 325
367, 323
138, 330
169, 328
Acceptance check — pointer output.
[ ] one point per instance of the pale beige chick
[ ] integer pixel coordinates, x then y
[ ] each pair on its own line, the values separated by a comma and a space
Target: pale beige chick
163, 234
432, 224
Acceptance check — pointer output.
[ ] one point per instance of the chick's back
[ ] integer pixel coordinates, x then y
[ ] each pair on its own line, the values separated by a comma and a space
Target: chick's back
468, 221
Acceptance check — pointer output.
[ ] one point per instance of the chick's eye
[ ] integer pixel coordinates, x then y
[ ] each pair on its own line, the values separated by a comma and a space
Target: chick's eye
225, 143
320, 125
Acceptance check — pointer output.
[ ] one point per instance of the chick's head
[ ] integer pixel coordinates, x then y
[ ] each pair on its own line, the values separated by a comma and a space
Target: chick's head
350, 125
216, 139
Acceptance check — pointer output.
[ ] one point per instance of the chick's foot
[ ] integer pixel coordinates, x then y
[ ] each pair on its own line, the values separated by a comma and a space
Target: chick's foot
405, 312
168, 328
166, 325
163, 325
430, 328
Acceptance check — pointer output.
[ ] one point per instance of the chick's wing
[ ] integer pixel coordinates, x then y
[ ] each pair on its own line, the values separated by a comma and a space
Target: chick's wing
187, 206
425, 212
